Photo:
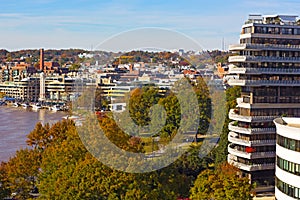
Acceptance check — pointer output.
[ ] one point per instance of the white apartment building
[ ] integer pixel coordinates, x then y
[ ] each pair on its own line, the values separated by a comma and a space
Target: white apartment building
267, 67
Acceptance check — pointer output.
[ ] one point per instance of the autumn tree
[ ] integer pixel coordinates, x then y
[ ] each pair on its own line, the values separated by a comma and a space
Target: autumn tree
2, 94
101, 102
117, 136
42, 136
69, 171
61, 166
5, 190
59, 161
21, 173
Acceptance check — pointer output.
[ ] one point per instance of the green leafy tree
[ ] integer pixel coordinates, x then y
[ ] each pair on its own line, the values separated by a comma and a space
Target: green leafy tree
221, 184
205, 105
220, 152
141, 100
75, 66
172, 107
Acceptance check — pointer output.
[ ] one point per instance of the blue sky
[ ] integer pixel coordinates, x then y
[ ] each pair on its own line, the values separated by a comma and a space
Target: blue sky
26, 24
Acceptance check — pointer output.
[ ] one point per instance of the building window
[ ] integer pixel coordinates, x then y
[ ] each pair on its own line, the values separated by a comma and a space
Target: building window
288, 143
248, 30
287, 189
288, 166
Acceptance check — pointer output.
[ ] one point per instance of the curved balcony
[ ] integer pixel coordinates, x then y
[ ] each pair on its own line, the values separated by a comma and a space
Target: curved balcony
253, 155
232, 137
233, 59
243, 118
237, 47
242, 70
249, 167
263, 82
250, 131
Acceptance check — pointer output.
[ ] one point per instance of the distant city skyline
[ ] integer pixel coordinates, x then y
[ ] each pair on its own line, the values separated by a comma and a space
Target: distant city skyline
53, 24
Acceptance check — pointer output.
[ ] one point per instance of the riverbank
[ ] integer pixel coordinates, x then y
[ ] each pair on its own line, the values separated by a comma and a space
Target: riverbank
54, 106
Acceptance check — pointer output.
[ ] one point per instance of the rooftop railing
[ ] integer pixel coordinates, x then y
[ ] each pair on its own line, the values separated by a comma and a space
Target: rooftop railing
243, 118
264, 82
245, 142
262, 59
272, 22
263, 46
245, 130
263, 70
254, 155
251, 167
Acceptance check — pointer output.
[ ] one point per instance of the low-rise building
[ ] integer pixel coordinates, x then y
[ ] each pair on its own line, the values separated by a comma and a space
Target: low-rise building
30, 88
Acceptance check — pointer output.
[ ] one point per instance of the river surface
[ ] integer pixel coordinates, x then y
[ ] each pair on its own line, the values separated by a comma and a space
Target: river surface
17, 123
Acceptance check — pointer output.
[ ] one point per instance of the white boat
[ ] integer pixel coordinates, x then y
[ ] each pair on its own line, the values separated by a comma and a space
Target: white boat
16, 104
25, 105
72, 117
36, 106
78, 120
55, 108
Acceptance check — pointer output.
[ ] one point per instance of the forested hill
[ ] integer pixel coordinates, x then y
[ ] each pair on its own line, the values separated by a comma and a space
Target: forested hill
64, 56
33, 54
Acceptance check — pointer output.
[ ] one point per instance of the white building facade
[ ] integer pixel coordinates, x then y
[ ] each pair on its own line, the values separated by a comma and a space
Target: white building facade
287, 158
266, 65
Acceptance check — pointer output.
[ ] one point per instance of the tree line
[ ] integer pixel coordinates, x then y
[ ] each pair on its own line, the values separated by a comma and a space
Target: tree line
57, 165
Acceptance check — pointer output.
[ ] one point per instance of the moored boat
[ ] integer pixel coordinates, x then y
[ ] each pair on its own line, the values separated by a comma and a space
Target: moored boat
36, 106
16, 104
55, 108
25, 105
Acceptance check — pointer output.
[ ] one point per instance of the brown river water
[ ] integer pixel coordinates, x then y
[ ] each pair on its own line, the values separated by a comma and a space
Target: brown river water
16, 123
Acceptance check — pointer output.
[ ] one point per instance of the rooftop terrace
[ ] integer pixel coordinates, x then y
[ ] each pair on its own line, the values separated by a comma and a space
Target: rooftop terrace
273, 19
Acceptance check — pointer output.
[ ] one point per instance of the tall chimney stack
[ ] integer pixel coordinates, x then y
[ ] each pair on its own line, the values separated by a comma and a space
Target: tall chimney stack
42, 59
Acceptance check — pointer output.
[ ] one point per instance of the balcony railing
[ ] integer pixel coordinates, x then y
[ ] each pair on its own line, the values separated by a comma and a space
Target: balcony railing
254, 155
237, 59
236, 140
253, 167
263, 47
242, 70
243, 118
262, 59
263, 82
237, 70
239, 100
249, 131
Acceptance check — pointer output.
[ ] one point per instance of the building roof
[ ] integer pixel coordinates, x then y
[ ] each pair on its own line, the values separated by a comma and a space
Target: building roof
258, 18
289, 121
